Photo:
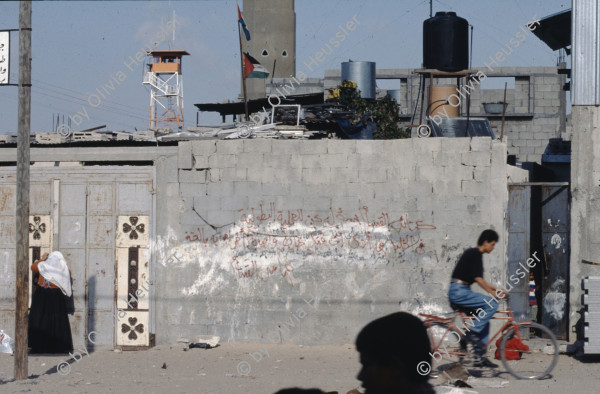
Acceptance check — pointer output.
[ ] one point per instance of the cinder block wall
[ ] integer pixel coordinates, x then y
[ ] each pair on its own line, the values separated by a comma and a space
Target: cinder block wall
536, 109
305, 242
585, 217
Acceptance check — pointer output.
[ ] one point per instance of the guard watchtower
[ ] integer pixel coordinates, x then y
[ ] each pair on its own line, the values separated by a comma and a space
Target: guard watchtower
166, 88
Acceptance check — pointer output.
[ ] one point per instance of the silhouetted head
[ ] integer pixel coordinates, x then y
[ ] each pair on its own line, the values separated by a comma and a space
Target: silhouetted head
391, 349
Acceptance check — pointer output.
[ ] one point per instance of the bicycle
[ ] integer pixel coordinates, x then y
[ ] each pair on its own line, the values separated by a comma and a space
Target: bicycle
535, 363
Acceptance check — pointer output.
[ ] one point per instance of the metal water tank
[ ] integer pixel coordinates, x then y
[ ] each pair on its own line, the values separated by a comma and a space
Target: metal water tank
396, 94
439, 95
446, 42
363, 73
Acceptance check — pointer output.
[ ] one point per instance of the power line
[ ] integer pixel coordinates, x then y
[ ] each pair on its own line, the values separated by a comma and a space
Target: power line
44, 103
119, 112
385, 25
82, 94
77, 100
484, 32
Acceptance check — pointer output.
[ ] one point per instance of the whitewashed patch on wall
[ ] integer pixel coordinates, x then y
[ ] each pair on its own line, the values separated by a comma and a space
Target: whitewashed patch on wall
268, 244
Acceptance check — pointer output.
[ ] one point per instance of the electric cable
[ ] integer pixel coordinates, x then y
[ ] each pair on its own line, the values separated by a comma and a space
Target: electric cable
440, 105
436, 101
118, 110
82, 94
421, 81
385, 25
97, 108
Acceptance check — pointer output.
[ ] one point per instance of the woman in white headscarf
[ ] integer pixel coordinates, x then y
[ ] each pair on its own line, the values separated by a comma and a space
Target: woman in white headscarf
49, 328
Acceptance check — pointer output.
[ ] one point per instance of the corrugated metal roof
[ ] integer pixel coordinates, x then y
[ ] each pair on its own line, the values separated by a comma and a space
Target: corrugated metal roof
586, 53
225, 131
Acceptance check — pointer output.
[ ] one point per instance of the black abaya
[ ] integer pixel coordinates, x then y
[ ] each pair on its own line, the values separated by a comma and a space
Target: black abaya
49, 328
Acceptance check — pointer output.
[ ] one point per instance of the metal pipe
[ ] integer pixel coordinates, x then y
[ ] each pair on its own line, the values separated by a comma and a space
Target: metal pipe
503, 111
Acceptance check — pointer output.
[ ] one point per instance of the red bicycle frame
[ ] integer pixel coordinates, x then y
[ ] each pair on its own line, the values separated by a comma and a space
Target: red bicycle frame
449, 322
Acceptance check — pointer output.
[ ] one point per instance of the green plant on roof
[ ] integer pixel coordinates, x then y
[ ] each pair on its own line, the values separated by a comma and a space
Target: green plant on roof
384, 112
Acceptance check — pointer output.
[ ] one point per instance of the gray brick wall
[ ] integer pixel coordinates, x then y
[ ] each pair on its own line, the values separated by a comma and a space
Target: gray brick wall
363, 228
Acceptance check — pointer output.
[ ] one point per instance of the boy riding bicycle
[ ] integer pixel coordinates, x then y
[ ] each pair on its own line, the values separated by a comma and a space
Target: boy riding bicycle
469, 269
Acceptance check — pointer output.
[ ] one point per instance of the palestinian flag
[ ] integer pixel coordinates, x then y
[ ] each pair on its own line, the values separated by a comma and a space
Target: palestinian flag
252, 68
242, 22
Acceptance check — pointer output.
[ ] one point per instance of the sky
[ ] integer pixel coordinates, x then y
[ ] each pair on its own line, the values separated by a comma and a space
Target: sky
79, 47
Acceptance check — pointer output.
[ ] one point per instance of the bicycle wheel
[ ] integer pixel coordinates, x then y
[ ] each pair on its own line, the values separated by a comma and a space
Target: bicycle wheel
539, 360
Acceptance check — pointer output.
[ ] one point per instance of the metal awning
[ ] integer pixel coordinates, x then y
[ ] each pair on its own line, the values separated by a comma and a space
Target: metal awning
555, 30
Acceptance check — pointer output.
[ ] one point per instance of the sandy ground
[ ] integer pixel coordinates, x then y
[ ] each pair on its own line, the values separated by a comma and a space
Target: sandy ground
248, 368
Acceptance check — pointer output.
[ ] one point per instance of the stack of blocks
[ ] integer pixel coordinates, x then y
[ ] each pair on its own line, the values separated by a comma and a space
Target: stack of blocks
591, 285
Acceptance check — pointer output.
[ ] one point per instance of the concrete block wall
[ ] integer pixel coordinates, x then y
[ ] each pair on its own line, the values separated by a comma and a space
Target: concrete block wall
585, 216
537, 97
306, 241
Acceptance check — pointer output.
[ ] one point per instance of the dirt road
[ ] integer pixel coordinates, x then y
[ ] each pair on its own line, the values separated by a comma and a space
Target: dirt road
235, 368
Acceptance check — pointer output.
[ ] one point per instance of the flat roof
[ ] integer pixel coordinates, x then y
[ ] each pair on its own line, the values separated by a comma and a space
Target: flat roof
167, 52
256, 105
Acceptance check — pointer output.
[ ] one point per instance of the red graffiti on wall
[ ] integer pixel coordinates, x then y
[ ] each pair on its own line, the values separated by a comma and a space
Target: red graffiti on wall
255, 269
268, 231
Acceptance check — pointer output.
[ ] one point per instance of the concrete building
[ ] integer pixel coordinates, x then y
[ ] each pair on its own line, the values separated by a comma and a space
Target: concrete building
535, 114
536, 110
585, 168
272, 25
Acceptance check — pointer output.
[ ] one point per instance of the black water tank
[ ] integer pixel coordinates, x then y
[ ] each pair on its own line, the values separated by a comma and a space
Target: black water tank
446, 42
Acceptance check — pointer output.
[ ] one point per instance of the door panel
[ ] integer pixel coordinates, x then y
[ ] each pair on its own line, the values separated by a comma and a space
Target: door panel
519, 198
78, 209
134, 198
72, 231
40, 240
133, 289
555, 232
125, 275
101, 232
7, 289
39, 198
7, 231
8, 199
101, 199
101, 294
72, 199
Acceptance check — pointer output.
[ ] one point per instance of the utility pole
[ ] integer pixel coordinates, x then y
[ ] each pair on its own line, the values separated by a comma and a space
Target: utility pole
430, 8
22, 293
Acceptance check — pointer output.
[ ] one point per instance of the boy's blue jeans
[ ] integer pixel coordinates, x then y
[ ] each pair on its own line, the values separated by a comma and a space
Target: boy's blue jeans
462, 295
